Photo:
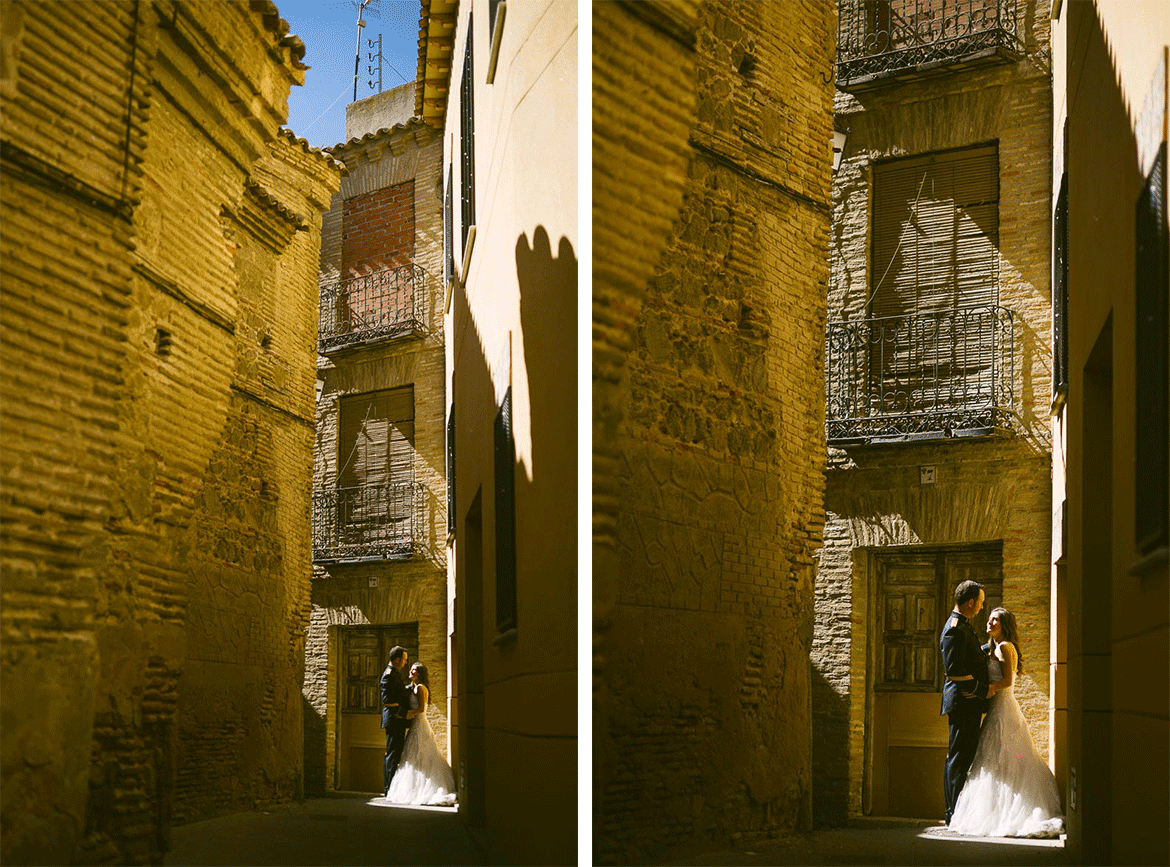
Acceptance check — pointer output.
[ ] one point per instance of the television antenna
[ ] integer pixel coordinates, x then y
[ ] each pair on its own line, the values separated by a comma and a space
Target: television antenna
357, 54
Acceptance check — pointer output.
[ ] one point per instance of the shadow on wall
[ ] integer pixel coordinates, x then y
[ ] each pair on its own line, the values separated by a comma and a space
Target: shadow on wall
314, 739
548, 300
529, 818
830, 753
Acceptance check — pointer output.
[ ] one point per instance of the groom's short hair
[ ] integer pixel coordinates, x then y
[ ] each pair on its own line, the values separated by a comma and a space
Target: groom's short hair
396, 651
966, 591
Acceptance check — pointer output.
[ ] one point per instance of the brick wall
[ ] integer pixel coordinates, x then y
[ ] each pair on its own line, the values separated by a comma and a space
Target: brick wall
389, 210
156, 441
378, 228
702, 728
985, 490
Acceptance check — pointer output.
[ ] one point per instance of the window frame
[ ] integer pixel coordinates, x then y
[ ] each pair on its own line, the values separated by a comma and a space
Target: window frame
467, 148
504, 455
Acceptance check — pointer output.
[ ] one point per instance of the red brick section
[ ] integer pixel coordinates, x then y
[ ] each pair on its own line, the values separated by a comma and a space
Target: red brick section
378, 229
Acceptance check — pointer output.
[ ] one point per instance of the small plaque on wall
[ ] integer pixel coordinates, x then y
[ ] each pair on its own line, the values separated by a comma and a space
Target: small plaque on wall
373, 582
926, 475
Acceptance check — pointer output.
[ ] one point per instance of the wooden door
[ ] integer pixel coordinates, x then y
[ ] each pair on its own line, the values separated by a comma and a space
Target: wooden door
914, 593
365, 653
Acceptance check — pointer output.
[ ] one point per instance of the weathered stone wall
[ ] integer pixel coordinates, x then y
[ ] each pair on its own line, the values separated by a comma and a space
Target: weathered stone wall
396, 174
985, 490
158, 298
704, 659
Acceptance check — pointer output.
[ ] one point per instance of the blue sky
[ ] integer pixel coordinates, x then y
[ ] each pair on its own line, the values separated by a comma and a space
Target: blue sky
329, 31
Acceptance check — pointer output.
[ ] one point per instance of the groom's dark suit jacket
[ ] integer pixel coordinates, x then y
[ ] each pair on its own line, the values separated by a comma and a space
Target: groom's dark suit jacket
963, 657
393, 693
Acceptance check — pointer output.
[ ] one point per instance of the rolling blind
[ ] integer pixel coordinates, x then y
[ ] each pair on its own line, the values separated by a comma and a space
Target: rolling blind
935, 233
376, 438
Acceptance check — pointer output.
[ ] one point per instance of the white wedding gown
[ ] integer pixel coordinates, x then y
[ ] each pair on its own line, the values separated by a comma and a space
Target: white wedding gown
1010, 792
423, 775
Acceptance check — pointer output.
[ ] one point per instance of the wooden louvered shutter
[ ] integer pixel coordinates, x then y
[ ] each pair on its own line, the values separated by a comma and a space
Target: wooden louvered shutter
376, 468
936, 233
935, 281
377, 438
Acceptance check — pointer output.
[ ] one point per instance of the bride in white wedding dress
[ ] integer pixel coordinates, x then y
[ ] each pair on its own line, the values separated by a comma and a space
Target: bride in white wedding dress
423, 775
1010, 792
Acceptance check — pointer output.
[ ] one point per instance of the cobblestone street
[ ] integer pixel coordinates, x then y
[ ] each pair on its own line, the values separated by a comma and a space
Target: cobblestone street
338, 830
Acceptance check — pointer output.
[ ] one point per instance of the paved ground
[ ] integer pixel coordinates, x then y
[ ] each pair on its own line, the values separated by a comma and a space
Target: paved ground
356, 830
346, 830
890, 842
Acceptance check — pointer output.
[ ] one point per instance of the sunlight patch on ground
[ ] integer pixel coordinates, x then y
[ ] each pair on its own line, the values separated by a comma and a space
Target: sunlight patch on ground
941, 832
382, 802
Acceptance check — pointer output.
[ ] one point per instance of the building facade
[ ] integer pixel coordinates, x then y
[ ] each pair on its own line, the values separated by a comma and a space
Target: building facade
379, 480
938, 383
1111, 283
499, 80
708, 316
157, 321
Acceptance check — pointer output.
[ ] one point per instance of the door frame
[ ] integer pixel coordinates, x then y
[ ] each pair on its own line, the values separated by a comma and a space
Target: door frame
868, 572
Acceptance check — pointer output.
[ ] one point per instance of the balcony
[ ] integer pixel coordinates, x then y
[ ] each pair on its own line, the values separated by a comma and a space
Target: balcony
926, 376
369, 522
385, 304
878, 40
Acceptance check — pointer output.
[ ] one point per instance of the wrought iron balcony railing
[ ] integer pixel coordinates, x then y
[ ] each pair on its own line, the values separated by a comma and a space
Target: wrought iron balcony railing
878, 39
370, 522
381, 305
925, 376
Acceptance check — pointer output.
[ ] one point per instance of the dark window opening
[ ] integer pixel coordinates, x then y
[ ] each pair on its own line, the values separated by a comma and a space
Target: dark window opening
467, 139
451, 470
505, 482
1060, 291
448, 230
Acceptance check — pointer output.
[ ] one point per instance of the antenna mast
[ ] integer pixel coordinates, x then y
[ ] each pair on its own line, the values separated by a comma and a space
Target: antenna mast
357, 55
371, 56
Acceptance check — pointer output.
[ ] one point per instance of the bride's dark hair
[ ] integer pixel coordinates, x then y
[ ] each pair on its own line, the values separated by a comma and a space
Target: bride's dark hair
1011, 632
422, 675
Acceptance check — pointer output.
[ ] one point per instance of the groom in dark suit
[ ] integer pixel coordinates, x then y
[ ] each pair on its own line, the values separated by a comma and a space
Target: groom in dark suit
395, 704
965, 690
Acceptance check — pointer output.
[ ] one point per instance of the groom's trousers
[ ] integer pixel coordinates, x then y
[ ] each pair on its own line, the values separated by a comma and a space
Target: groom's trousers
395, 741
964, 724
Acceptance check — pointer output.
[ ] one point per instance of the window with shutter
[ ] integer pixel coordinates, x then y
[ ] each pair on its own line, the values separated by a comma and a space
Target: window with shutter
467, 138
376, 503
505, 483
936, 233
933, 314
